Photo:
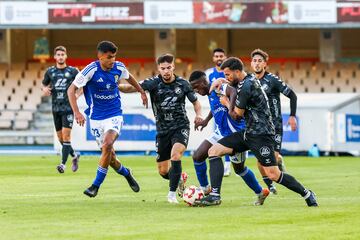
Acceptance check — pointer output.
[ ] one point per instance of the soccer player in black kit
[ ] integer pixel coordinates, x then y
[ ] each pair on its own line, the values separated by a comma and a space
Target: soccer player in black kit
167, 94
57, 80
273, 86
251, 103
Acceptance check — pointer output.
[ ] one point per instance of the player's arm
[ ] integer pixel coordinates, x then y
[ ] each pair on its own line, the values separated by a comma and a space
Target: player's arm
216, 85
228, 100
242, 97
204, 122
45, 88
190, 94
288, 92
138, 88
126, 88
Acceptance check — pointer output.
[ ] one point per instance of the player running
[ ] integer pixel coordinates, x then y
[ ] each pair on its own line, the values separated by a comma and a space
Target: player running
225, 126
273, 86
168, 93
56, 82
100, 81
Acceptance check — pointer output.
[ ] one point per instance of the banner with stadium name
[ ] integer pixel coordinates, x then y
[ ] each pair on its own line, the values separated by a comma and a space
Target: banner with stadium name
240, 12
100, 12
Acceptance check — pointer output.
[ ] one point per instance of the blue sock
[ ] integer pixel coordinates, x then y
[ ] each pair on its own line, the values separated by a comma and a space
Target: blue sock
201, 173
249, 178
100, 176
123, 171
227, 158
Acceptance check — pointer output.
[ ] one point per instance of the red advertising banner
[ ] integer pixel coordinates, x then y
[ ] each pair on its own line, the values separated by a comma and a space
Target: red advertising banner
348, 11
257, 12
96, 12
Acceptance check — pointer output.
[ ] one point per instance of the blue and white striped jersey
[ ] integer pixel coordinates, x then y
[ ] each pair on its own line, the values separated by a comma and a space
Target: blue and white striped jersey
223, 121
101, 89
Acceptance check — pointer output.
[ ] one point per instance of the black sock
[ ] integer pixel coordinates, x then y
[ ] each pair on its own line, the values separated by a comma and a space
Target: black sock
291, 183
267, 181
216, 174
72, 153
166, 176
174, 175
65, 152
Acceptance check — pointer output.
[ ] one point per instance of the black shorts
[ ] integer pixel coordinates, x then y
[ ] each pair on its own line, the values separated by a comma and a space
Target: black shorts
63, 120
262, 146
165, 142
278, 139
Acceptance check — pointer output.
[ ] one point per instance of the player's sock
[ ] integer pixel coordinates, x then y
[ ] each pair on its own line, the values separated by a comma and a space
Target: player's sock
291, 183
123, 171
65, 152
227, 159
249, 178
174, 175
100, 176
267, 181
201, 169
216, 174
72, 152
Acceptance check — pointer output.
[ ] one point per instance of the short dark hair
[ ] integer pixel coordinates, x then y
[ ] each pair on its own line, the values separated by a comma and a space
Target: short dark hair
107, 46
218, 50
195, 75
233, 63
167, 57
59, 48
260, 52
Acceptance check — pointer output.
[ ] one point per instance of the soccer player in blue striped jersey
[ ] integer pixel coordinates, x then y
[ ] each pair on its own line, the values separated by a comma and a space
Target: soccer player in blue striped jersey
225, 126
99, 81
213, 73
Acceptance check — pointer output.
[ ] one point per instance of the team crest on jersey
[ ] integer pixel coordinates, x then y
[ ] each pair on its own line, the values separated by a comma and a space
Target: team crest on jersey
278, 138
67, 74
265, 151
265, 87
108, 86
274, 101
116, 78
178, 90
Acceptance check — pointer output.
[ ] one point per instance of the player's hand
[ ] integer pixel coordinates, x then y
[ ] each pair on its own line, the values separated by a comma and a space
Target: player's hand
292, 122
216, 85
224, 100
202, 124
144, 99
79, 118
46, 91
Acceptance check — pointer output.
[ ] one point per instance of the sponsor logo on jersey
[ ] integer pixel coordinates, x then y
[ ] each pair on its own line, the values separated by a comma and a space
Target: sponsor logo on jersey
278, 138
265, 151
105, 97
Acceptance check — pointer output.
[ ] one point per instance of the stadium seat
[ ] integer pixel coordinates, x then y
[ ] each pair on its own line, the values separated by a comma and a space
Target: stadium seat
7, 115
21, 124
13, 105
11, 83
31, 74
24, 115
5, 124
29, 105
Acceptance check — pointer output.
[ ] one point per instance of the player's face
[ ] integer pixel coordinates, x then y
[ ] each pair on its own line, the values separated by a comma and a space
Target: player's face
218, 58
201, 86
166, 70
258, 64
231, 76
107, 59
60, 57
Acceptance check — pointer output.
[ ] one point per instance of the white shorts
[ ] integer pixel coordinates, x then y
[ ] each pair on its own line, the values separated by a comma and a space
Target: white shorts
100, 127
237, 158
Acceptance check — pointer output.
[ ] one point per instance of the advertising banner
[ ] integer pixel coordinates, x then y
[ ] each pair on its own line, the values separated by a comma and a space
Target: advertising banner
247, 12
312, 12
168, 12
288, 135
348, 11
352, 128
26, 13
97, 13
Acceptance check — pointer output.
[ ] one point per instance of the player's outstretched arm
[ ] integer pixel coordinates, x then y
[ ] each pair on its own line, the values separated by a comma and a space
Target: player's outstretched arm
197, 109
138, 88
126, 88
203, 123
72, 99
293, 105
216, 85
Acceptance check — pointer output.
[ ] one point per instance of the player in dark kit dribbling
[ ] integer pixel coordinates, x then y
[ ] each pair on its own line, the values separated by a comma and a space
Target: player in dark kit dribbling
56, 82
251, 103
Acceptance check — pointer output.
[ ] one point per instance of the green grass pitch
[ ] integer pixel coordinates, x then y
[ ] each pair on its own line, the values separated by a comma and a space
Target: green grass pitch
38, 203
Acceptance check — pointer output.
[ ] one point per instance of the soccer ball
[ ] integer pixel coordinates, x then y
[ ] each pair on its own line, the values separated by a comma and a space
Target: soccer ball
191, 194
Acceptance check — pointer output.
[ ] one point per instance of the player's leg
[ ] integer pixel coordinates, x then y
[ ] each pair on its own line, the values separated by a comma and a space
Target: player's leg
199, 159
238, 162
264, 151
277, 148
68, 150
58, 128
227, 166
124, 171
269, 183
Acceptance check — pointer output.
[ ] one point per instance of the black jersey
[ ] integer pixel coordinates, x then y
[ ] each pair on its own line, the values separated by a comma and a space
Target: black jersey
273, 86
252, 98
59, 81
168, 102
